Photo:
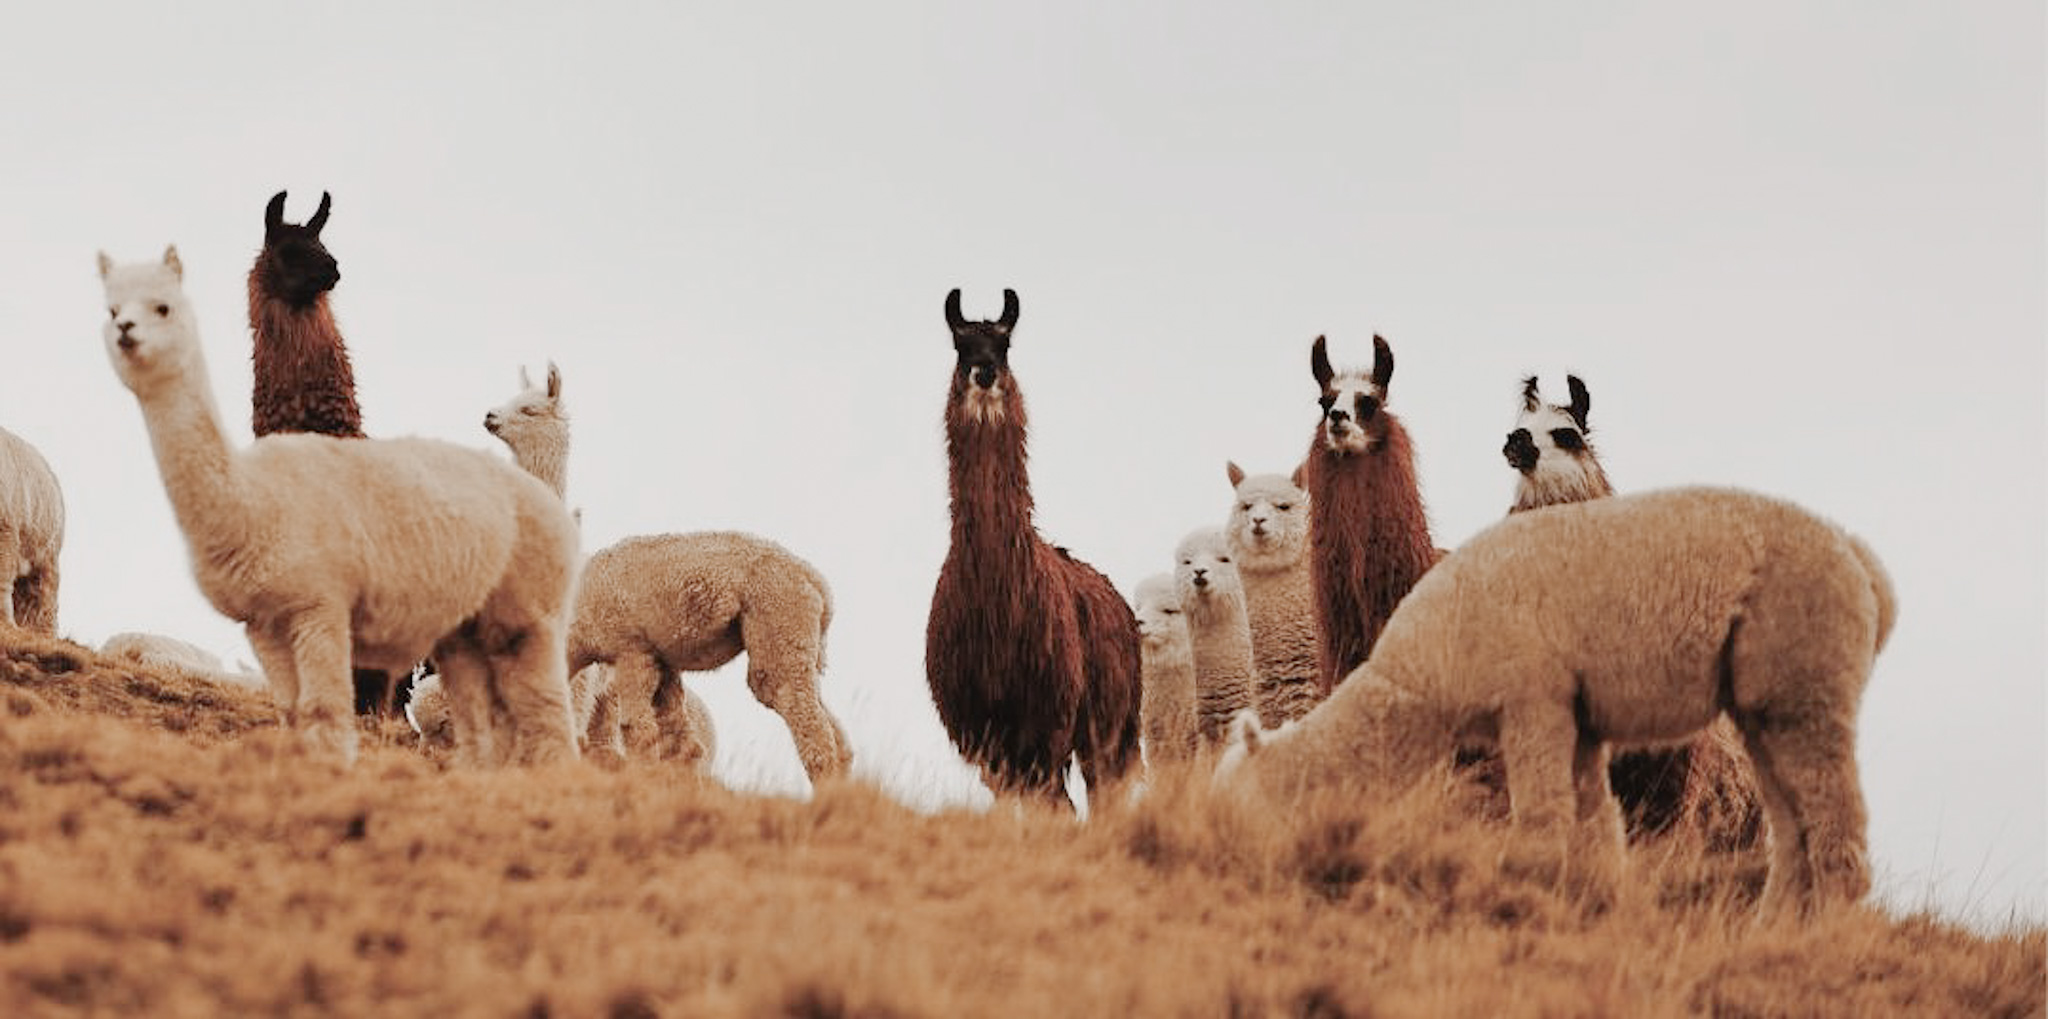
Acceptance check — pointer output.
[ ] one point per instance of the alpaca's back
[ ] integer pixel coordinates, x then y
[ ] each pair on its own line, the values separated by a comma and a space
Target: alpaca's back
682, 595
31, 501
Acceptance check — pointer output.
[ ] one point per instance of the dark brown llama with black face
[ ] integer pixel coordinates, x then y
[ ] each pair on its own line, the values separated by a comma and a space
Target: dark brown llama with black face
1032, 655
1368, 535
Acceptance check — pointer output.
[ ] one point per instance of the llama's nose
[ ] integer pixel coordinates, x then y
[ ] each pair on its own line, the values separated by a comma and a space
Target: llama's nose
985, 376
1520, 450
1339, 415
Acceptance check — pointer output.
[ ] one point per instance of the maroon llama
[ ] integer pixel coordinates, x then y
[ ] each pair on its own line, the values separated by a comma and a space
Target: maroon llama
1031, 654
1368, 535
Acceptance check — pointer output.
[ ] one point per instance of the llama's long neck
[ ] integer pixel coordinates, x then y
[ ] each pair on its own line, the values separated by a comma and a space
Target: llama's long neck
1585, 479
988, 480
1368, 540
200, 472
303, 380
546, 457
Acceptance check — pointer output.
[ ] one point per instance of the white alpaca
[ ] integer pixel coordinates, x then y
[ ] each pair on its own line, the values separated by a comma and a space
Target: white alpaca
1212, 596
157, 651
31, 535
535, 426
1166, 667
1268, 532
376, 551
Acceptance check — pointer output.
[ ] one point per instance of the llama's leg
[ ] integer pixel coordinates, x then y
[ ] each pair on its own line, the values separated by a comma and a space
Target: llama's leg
1538, 742
325, 708
1806, 769
35, 601
530, 680
783, 652
466, 689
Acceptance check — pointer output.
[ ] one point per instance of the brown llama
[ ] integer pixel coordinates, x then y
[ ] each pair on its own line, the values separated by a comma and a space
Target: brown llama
1705, 782
1368, 535
1031, 654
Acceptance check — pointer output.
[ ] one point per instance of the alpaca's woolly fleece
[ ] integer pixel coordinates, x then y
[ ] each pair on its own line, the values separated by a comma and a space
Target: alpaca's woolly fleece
158, 651
378, 552
657, 605
1166, 663
31, 536
1212, 597
1268, 532
1627, 620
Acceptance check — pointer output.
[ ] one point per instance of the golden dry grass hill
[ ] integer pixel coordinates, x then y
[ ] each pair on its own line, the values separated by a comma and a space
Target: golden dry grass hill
166, 850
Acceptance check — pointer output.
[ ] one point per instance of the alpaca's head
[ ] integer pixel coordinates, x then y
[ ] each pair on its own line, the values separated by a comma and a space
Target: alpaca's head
533, 417
1551, 449
1157, 606
1353, 419
1268, 519
981, 350
150, 333
1203, 573
294, 265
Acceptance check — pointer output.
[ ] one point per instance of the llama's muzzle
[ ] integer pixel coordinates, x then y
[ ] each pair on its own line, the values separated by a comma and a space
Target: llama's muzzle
1520, 450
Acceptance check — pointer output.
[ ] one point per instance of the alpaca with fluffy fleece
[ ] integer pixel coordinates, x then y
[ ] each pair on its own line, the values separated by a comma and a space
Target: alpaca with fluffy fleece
1166, 666
169, 654
535, 426
1621, 621
1212, 596
1268, 532
378, 551
656, 605
1031, 655
1368, 535
31, 536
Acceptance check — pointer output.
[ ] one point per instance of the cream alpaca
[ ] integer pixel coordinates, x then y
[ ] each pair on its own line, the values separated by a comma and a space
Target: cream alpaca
31, 535
157, 651
378, 551
535, 426
1627, 620
1212, 596
1268, 534
1166, 668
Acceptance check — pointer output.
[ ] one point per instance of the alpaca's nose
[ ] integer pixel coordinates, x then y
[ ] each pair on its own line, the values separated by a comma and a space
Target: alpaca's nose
491, 422
1201, 577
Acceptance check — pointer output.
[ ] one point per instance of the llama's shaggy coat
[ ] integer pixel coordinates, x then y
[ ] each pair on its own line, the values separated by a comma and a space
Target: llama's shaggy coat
303, 380
1368, 534
1268, 532
31, 536
1031, 655
1166, 661
1628, 620
1212, 596
657, 605
158, 651
380, 551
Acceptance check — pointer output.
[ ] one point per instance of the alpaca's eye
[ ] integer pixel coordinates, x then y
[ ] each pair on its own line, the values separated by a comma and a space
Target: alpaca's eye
529, 411
163, 311
1283, 506
1223, 559
1244, 507
1170, 612
1567, 439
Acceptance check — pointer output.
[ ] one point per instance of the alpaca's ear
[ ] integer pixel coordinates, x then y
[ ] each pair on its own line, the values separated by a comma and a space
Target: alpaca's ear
171, 261
1319, 362
320, 215
1235, 472
1531, 400
1582, 401
953, 319
273, 214
1009, 319
106, 265
1382, 363
554, 382
525, 380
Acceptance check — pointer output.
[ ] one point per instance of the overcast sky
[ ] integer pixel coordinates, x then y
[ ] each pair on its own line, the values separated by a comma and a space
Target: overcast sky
1792, 247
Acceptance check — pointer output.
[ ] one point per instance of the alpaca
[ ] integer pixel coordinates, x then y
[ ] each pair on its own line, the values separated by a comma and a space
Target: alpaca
1166, 667
535, 426
653, 606
1620, 621
31, 536
1368, 535
1212, 596
1553, 459
428, 712
1268, 534
378, 551
157, 651
1031, 655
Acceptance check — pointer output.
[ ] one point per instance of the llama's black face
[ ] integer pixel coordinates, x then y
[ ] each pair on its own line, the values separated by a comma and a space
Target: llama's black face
1352, 401
299, 267
981, 351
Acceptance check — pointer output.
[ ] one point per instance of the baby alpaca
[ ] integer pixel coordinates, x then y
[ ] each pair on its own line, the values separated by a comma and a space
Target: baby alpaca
379, 551
1213, 598
1166, 667
31, 535
1627, 620
1268, 534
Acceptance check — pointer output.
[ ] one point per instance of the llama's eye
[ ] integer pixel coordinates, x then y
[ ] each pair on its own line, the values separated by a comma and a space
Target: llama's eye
1567, 439
163, 311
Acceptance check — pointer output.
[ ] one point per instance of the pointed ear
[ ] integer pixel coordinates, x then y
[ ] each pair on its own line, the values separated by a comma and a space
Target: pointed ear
525, 380
1009, 319
1299, 475
106, 265
273, 214
171, 259
1382, 363
1319, 362
953, 319
1235, 472
1582, 401
1531, 400
554, 382
320, 215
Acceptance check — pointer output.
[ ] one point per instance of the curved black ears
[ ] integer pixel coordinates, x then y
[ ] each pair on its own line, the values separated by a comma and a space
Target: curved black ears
956, 322
1582, 401
1009, 319
953, 319
273, 214
1319, 362
320, 215
1382, 363
1531, 399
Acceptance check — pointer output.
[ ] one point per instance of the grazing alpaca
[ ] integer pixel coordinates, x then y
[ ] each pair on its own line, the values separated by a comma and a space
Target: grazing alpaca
1268, 533
1166, 666
1550, 451
378, 551
1368, 536
1031, 655
1212, 596
31, 535
1627, 620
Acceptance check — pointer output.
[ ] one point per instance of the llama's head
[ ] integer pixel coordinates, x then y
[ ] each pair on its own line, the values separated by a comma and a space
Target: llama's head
981, 351
1353, 401
1203, 573
150, 333
1268, 519
534, 415
1551, 450
1156, 603
294, 264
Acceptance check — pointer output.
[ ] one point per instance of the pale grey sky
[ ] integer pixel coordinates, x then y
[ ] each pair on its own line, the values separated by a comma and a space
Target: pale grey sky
1793, 247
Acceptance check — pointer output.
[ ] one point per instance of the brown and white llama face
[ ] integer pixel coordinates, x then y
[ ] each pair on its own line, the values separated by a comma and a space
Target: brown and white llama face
1352, 401
536, 411
1268, 525
149, 325
294, 262
981, 351
1550, 448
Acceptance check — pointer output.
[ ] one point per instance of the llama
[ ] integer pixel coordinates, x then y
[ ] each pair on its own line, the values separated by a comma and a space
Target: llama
1031, 655
31, 536
1550, 450
1268, 532
1212, 596
1368, 535
1166, 667
335, 550
1620, 621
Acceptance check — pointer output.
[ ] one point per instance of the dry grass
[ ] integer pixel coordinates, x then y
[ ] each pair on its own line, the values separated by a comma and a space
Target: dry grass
165, 850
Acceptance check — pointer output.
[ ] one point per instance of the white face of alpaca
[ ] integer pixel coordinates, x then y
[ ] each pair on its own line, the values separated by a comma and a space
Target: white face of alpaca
1268, 521
1203, 569
531, 415
1158, 611
149, 323
1349, 406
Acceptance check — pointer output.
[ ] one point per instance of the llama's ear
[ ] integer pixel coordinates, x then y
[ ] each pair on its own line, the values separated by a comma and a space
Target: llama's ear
1009, 319
1319, 362
106, 265
1297, 476
320, 215
273, 214
171, 261
1235, 472
1531, 399
1582, 401
1382, 363
554, 382
953, 319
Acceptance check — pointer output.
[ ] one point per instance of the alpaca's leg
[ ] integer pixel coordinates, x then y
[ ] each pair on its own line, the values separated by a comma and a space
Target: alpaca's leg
10, 573
636, 677
35, 601
781, 671
1538, 741
530, 679
604, 735
280, 669
325, 708
1806, 770
466, 688
1599, 849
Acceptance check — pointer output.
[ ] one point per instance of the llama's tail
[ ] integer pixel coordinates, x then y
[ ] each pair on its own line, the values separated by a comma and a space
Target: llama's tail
1880, 585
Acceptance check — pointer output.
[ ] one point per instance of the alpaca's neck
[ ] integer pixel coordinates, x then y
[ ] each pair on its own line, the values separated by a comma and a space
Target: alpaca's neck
1587, 480
303, 380
200, 472
987, 479
547, 458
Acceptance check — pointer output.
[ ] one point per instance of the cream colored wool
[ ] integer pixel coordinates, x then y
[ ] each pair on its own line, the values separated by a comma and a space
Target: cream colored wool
657, 605
157, 651
535, 426
31, 535
428, 711
1212, 598
1268, 532
1166, 667
376, 551
1630, 620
